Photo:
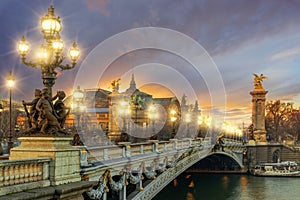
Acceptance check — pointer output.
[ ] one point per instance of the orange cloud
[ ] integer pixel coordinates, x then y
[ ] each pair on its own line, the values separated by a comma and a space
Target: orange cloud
99, 4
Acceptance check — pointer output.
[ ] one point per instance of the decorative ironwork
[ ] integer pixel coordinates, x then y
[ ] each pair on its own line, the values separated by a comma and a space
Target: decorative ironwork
102, 187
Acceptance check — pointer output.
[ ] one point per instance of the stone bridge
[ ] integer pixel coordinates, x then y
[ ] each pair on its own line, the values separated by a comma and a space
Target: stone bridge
123, 171
140, 171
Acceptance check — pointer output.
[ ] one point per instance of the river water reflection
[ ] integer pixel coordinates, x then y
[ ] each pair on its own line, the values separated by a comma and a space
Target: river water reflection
194, 186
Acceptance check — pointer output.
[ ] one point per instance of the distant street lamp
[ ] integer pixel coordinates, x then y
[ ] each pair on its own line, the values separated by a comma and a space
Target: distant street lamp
188, 121
77, 106
137, 101
200, 121
50, 55
173, 120
208, 121
124, 111
1, 139
225, 129
153, 115
10, 84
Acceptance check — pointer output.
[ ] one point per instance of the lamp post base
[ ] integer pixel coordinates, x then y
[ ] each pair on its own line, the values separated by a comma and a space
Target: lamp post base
9, 145
65, 159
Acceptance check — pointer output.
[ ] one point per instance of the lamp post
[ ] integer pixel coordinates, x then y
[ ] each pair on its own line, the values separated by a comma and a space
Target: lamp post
50, 54
1, 108
10, 84
208, 121
200, 121
153, 115
77, 106
173, 119
137, 101
188, 121
124, 111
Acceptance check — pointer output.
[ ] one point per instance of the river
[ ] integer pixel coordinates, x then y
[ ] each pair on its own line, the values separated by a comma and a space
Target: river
196, 186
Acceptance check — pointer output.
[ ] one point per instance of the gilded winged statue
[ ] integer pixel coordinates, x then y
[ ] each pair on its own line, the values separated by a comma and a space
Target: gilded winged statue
258, 79
115, 85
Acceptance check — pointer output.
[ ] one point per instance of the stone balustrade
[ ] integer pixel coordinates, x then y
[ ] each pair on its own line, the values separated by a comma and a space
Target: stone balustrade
234, 145
105, 152
23, 172
126, 149
141, 148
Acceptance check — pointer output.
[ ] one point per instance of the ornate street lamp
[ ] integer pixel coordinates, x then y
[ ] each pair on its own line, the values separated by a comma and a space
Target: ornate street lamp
10, 84
50, 55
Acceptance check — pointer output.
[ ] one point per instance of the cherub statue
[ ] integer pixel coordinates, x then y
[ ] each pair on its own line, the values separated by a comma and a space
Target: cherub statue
258, 81
46, 114
33, 113
115, 85
60, 109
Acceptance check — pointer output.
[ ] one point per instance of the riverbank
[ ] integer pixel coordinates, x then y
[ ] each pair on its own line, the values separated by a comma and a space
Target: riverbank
229, 186
217, 171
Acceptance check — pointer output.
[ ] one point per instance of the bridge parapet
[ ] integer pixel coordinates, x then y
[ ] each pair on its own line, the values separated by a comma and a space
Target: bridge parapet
126, 149
19, 175
143, 159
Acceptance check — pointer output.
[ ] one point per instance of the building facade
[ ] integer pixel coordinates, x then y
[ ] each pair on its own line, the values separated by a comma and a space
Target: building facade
132, 115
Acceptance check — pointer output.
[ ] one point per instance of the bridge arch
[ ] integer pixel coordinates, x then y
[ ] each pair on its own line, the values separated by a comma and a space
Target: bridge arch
218, 161
167, 176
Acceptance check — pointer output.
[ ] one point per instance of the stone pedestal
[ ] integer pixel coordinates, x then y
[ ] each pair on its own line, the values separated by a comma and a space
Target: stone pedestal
260, 136
258, 114
65, 159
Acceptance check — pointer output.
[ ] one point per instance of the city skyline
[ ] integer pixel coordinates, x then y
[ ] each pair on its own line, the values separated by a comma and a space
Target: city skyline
241, 38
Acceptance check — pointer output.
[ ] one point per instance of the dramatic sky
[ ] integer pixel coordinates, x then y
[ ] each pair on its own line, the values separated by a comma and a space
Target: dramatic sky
241, 37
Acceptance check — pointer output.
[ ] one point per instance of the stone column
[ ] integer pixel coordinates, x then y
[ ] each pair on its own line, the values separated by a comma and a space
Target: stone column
258, 114
110, 113
122, 193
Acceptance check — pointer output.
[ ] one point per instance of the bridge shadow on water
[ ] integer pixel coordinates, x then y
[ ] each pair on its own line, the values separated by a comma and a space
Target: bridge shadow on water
211, 178
216, 163
207, 186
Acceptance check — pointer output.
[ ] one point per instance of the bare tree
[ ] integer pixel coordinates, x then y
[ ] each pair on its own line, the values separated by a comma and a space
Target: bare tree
293, 127
278, 118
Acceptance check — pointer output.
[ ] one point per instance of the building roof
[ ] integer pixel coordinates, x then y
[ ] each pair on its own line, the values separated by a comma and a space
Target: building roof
94, 98
97, 110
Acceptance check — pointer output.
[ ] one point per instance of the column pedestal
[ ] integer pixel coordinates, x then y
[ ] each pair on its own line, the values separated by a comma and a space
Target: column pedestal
258, 114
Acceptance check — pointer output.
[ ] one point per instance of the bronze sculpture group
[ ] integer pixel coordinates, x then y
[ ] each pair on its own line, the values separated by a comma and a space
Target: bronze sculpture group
45, 117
